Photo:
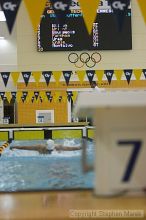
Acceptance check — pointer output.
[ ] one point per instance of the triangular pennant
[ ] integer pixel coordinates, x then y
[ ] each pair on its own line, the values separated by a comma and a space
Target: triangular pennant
2, 95
13, 94
23, 99
32, 99
19, 95
50, 98
89, 11
99, 74
69, 95
142, 5
81, 75
41, 100
67, 75
128, 74
29, 96
24, 95
48, 94
26, 77
119, 8
60, 98
61, 9
57, 75
90, 75
109, 75
15, 77
8, 96
35, 9
10, 9
74, 97
5, 77
36, 94
47, 75
37, 76
137, 73
118, 74
144, 72
43, 95
56, 96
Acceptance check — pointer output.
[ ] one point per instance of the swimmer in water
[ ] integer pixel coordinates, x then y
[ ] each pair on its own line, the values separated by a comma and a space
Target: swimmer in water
47, 148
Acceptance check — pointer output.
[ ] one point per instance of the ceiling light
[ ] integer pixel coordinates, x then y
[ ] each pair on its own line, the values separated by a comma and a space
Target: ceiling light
2, 16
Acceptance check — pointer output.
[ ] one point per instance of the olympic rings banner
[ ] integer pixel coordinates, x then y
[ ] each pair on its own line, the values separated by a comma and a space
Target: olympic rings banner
67, 77
35, 9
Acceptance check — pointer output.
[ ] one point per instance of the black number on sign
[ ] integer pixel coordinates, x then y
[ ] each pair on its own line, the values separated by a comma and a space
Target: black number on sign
132, 160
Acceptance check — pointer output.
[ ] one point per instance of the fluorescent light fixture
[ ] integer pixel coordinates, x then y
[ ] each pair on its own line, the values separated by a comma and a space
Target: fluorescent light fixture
2, 16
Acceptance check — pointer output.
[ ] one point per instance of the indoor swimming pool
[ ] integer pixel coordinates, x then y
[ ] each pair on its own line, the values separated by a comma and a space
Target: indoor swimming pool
23, 170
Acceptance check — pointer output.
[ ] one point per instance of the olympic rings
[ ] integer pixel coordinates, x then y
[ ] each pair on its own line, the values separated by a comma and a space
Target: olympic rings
84, 58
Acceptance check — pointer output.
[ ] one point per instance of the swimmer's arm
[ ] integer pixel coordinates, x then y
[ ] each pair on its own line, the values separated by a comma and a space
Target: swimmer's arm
67, 148
37, 147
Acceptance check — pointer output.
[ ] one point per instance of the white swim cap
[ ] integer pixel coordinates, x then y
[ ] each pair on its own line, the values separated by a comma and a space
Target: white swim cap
50, 144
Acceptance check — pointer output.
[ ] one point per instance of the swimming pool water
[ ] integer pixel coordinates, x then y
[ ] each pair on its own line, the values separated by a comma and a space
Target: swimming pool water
22, 170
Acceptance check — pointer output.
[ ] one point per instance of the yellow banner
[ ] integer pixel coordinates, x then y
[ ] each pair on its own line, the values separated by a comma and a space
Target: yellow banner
118, 74
35, 9
89, 10
37, 76
137, 73
99, 74
56, 96
57, 75
81, 75
15, 77
8, 96
74, 97
142, 5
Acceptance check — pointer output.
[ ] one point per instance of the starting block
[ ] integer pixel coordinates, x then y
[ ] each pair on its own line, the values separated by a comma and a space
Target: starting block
120, 139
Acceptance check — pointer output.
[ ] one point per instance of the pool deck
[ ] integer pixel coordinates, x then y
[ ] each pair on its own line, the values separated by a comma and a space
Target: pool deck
56, 205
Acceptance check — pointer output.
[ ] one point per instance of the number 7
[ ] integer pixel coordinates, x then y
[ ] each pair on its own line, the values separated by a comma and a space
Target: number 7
130, 166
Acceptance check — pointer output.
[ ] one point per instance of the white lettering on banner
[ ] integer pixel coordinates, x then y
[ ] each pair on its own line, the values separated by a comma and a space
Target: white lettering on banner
5, 76
9, 6
108, 73
47, 75
127, 73
67, 74
118, 5
26, 76
90, 74
60, 6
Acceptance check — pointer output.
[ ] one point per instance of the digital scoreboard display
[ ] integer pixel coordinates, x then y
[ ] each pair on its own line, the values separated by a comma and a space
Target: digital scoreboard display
73, 36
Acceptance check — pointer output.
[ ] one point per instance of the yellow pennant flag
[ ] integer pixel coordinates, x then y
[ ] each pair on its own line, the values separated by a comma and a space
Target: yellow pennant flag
74, 97
56, 96
142, 5
118, 74
64, 98
37, 76
57, 76
29, 96
81, 75
99, 74
35, 9
137, 73
15, 77
43, 96
89, 10
8, 96
18, 96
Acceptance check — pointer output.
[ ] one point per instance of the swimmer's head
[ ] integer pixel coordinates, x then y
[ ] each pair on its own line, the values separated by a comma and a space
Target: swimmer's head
50, 144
